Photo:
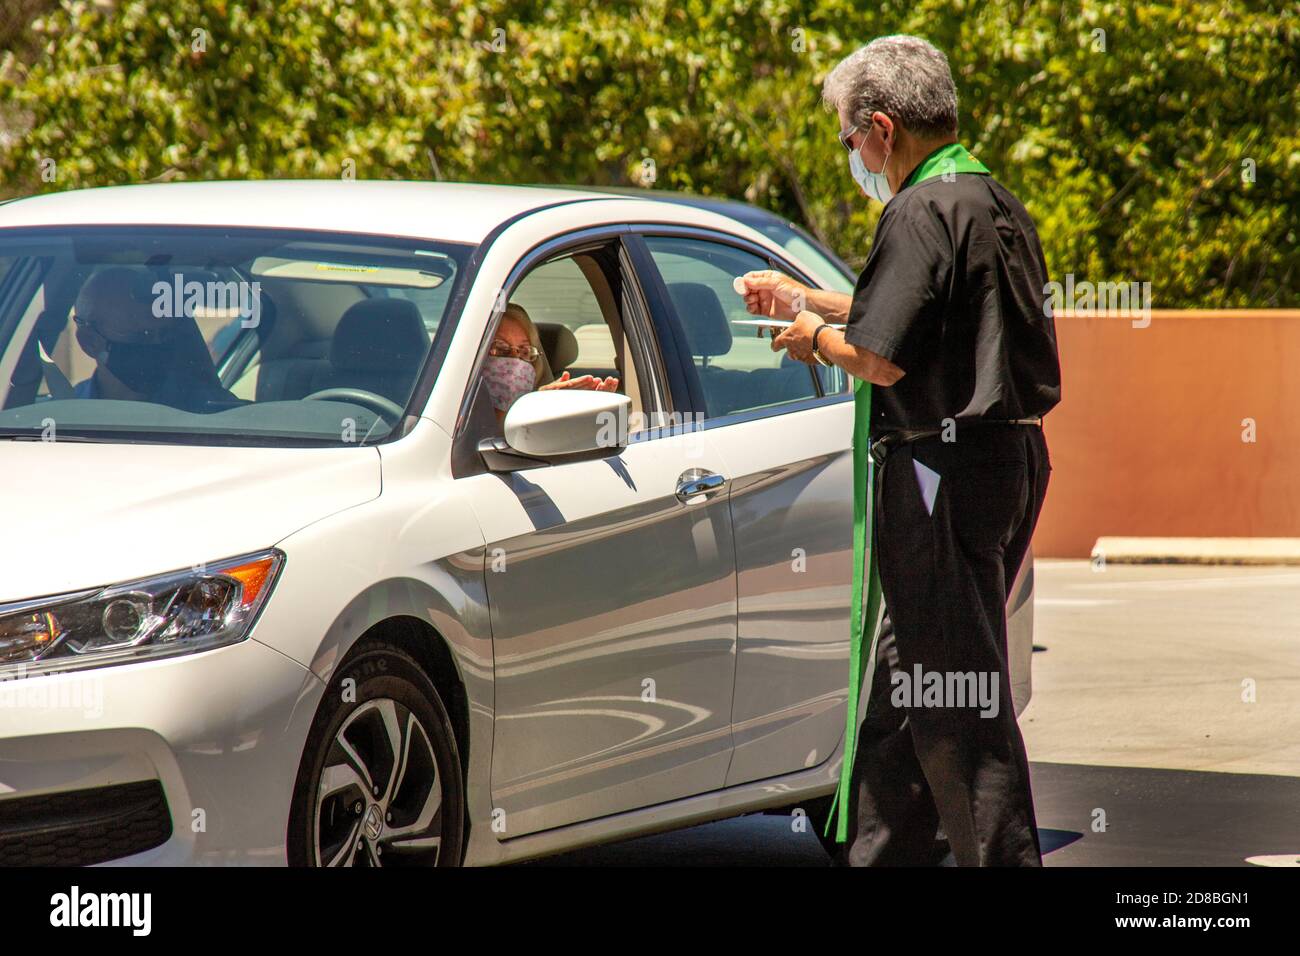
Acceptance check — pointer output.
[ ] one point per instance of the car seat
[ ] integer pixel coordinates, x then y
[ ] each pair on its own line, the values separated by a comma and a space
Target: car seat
559, 345
378, 346
708, 335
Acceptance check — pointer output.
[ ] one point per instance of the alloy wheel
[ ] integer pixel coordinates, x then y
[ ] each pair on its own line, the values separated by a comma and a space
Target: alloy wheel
379, 801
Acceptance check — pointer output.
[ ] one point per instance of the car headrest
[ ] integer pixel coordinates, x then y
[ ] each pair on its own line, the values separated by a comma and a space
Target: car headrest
49, 326
379, 335
703, 321
559, 343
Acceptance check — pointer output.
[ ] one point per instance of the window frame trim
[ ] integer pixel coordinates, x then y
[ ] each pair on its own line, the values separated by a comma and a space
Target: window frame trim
644, 347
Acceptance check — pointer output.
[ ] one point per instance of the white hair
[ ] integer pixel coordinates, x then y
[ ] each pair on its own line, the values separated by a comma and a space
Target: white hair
904, 77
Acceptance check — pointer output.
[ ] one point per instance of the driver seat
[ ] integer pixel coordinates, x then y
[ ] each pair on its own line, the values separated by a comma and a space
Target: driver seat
378, 346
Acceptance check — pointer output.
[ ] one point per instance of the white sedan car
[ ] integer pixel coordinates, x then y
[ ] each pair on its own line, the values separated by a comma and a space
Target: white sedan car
305, 562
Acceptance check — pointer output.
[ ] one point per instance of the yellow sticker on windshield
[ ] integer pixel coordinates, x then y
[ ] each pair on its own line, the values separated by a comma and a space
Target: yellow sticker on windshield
335, 267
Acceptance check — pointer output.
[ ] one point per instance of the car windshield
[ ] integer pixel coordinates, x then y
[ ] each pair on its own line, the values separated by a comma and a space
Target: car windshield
215, 336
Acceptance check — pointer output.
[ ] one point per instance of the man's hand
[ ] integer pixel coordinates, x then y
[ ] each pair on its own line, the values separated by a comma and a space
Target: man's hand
773, 294
797, 339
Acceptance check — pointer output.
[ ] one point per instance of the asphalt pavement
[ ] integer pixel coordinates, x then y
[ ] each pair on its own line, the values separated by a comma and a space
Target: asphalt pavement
1164, 728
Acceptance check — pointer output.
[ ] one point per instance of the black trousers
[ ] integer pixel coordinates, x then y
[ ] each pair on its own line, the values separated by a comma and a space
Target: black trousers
939, 746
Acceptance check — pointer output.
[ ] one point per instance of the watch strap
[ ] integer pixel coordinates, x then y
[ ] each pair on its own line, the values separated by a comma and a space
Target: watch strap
816, 332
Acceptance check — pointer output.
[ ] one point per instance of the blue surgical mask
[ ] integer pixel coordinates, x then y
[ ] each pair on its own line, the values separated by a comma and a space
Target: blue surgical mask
875, 185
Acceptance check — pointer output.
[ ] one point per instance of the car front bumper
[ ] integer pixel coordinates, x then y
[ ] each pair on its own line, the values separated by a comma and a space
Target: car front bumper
219, 734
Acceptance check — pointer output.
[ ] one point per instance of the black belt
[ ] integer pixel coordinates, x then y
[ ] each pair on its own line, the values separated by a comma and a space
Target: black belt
882, 446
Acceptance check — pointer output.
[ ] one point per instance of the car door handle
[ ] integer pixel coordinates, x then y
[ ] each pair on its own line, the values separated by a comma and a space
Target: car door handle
698, 481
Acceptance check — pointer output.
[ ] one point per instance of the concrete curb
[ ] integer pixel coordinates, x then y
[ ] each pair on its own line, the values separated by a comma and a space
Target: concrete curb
1120, 550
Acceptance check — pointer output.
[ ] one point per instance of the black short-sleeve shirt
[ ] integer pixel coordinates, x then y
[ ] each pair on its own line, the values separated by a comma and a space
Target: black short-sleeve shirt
953, 294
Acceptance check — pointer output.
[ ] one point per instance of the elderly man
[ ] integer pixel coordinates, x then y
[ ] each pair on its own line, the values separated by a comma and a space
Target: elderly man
139, 356
947, 321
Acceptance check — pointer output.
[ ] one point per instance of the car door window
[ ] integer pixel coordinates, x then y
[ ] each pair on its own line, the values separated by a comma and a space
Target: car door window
557, 293
735, 369
577, 304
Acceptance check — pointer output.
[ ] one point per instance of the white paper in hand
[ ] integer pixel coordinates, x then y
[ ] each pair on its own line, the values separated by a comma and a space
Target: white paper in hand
928, 480
776, 323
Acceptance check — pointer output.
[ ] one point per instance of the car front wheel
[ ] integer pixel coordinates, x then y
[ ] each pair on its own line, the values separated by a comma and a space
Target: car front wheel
380, 781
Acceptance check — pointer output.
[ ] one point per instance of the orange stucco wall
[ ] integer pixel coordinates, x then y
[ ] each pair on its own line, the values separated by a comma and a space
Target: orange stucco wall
1148, 438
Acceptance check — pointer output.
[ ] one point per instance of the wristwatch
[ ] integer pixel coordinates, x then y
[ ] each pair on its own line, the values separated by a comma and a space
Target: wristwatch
818, 355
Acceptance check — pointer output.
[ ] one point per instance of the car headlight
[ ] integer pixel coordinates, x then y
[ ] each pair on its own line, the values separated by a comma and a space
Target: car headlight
175, 613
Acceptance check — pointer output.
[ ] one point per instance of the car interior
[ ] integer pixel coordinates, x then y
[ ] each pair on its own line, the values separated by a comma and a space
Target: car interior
726, 388
375, 343
319, 333
735, 367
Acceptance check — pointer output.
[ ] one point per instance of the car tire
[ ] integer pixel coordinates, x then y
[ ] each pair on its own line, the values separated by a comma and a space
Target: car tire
380, 781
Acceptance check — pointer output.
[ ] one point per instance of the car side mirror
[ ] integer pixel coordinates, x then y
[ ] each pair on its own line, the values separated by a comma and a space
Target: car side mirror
560, 422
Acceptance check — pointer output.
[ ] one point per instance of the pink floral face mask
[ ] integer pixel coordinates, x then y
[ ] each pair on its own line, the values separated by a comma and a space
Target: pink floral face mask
507, 379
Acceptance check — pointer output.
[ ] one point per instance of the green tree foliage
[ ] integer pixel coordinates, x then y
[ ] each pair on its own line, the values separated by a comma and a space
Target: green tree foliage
1152, 141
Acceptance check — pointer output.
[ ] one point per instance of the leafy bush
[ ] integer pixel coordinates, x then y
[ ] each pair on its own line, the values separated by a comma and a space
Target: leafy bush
1165, 148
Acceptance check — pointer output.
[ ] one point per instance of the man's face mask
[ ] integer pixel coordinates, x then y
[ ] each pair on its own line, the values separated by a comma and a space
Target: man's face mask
140, 367
875, 185
507, 379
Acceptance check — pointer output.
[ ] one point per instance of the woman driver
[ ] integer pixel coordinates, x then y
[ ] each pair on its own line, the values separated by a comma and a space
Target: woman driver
515, 364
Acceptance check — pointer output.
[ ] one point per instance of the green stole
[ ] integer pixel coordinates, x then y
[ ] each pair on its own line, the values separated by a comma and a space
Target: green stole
945, 161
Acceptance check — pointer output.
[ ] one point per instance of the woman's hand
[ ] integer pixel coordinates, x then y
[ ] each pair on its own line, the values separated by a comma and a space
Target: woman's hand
774, 294
564, 381
590, 382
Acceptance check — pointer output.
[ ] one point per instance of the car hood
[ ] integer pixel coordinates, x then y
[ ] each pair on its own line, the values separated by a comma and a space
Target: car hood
80, 515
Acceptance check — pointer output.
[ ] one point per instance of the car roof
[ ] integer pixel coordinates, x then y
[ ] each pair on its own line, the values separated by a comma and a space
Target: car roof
743, 212
736, 209
455, 212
